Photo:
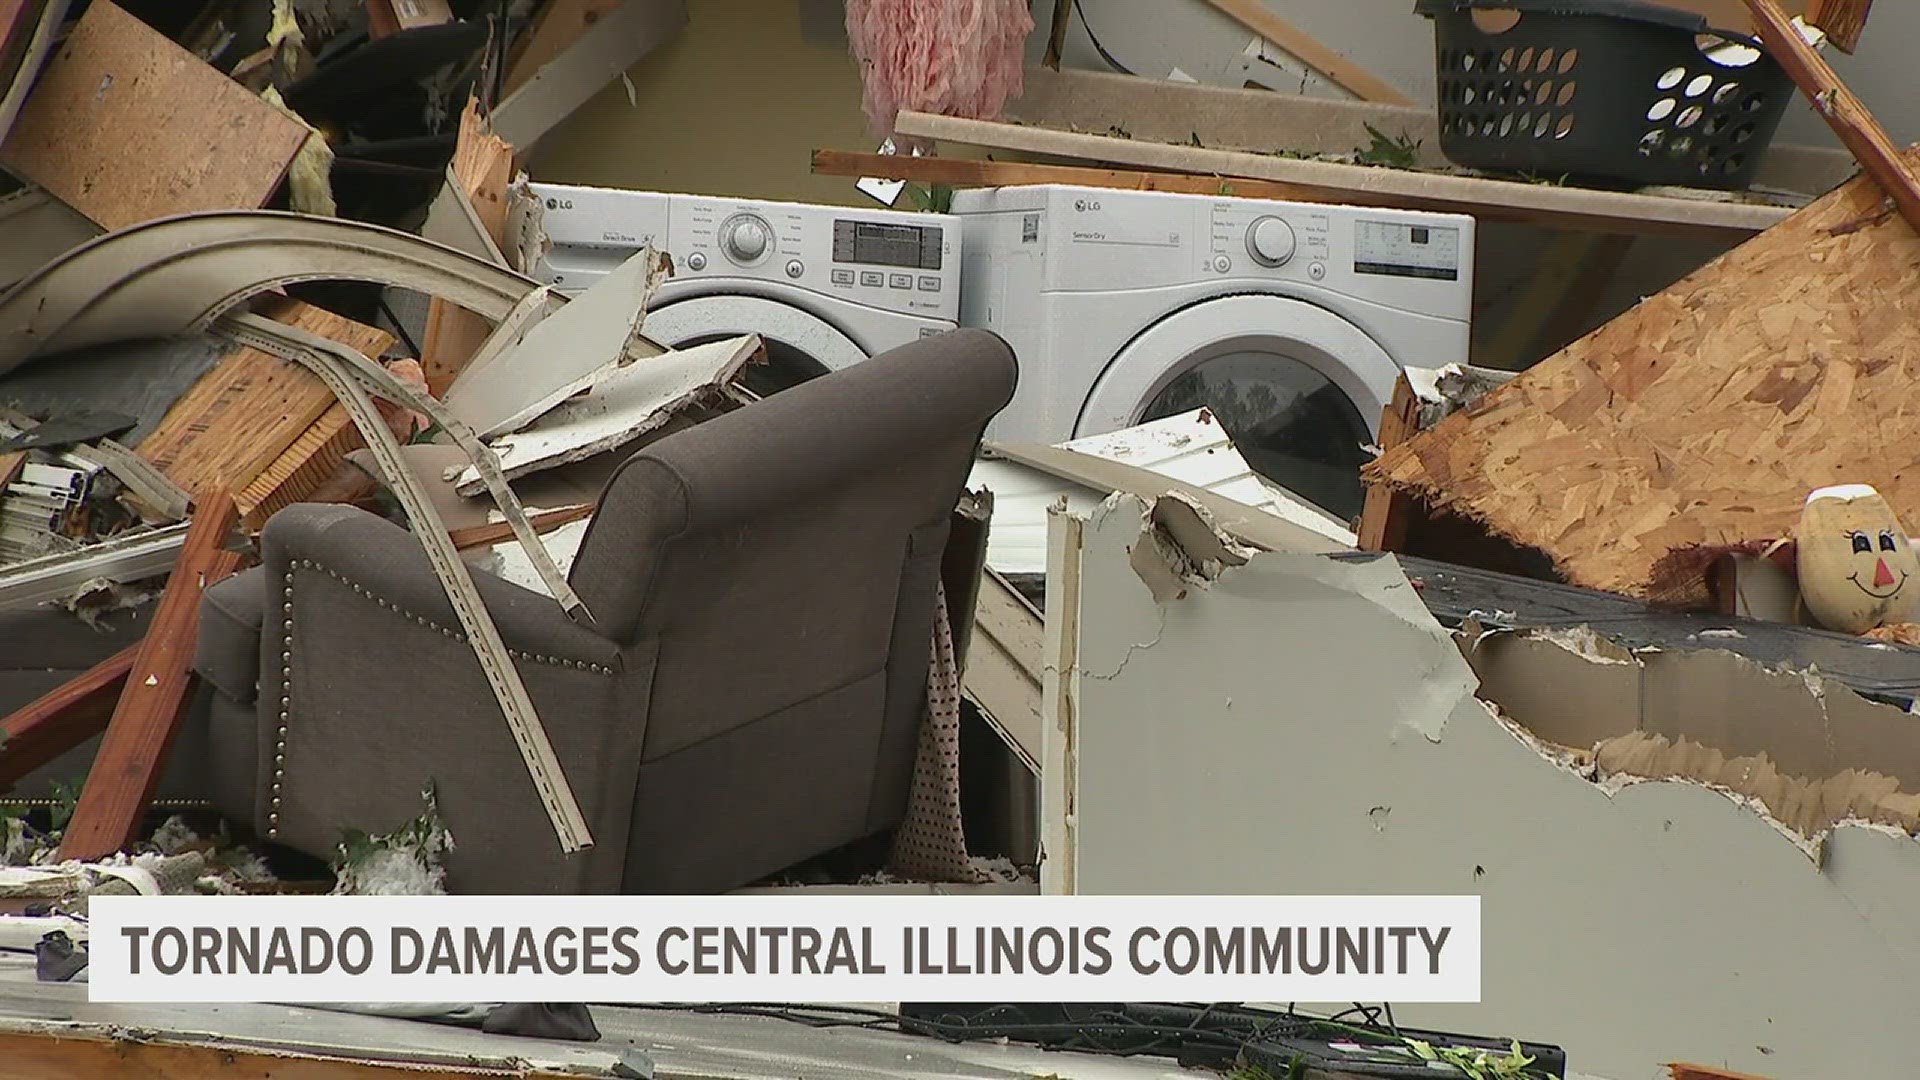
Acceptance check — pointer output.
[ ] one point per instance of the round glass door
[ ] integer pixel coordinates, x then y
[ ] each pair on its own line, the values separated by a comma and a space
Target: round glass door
1291, 423
800, 346
1297, 388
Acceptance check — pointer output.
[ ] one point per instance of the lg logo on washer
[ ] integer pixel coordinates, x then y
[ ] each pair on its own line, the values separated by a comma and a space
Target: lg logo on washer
1084, 205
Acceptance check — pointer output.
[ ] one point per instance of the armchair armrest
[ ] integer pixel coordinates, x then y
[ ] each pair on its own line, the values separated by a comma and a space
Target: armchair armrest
369, 691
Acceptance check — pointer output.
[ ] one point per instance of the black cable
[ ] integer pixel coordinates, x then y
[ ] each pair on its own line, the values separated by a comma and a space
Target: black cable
1097, 47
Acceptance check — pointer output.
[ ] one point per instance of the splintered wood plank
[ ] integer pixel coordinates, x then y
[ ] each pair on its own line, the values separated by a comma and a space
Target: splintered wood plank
63, 718
94, 1055
1705, 414
1842, 20
974, 172
483, 165
1844, 113
241, 416
125, 126
147, 716
1387, 513
499, 532
301, 469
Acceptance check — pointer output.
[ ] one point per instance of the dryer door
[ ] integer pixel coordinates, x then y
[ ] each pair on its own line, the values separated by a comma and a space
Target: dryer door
1298, 389
800, 345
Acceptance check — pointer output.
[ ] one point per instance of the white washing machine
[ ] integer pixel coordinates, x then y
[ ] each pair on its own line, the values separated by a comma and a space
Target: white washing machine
1289, 321
823, 286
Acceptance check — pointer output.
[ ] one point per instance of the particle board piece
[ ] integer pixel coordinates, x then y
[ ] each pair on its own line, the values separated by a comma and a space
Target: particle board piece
241, 416
483, 166
63, 718
147, 717
1384, 519
1844, 112
1496, 200
1337, 69
125, 126
1706, 413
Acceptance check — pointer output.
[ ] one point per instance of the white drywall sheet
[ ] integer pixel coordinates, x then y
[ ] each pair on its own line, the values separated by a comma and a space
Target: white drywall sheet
1300, 725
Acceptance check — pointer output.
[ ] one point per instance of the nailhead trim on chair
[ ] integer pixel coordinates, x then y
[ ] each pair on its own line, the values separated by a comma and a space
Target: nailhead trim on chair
286, 670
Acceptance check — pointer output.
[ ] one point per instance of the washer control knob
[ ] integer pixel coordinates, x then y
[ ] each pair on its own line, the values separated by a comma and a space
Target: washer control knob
1270, 241
795, 268
746, 239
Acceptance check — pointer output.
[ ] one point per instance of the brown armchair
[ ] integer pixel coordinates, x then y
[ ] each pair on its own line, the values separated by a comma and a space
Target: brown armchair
763, 587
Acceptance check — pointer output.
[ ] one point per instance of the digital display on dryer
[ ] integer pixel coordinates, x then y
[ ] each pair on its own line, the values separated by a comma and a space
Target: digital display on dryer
910, 247
1397, 249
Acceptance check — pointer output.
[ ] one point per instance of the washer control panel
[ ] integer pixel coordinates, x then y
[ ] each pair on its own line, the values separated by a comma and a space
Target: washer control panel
900, 261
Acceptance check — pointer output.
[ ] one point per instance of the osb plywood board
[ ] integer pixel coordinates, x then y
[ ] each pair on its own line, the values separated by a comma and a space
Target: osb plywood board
1706, 413
125, 126
244, 413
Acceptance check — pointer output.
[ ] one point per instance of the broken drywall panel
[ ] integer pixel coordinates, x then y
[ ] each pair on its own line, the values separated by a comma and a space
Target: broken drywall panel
632, 402
452, 220
1611, 920
1003, 673
563, 353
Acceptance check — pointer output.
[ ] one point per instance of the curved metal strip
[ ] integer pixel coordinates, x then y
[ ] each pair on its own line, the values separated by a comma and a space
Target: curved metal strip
173, 275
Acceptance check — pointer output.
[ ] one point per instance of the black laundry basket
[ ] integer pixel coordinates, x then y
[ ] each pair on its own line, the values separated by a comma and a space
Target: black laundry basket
1619, 91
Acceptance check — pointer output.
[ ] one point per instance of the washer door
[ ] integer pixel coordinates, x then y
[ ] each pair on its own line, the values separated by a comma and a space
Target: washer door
1298, 389
800, 345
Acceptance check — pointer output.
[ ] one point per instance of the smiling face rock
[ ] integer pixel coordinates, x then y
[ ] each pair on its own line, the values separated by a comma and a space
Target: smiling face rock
1856, 565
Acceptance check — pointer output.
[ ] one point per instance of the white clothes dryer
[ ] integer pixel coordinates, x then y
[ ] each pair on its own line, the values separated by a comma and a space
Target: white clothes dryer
1289, 321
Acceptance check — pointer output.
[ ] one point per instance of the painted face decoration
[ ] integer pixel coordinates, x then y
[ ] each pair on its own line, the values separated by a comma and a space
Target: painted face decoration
1856, 565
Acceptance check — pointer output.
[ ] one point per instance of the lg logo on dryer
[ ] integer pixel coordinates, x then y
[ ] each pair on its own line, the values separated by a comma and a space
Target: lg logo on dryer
1084, 205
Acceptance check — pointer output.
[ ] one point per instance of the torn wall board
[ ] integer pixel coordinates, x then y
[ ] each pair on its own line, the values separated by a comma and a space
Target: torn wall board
1192, 448
628, 404
1705, 414
39, 229
1003, 675
563, 353
1347, 754
126, 126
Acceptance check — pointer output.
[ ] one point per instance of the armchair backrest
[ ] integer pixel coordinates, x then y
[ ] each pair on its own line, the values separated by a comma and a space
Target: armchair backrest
779, 563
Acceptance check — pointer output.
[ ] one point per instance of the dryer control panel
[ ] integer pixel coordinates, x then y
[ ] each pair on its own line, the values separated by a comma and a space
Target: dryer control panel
893, 260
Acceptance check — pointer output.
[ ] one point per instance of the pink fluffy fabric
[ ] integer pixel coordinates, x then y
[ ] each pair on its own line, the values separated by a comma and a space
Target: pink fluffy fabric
954, 57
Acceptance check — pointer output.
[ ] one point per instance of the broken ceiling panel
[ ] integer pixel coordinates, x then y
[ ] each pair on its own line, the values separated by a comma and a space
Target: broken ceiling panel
1708, 412
630, 402
1349, 751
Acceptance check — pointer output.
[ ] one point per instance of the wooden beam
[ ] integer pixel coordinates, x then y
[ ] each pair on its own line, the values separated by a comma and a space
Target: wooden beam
1844, 113
559, 24
499, 532
1336, 68
147, 716
1384, 520
483, 165
87, 1055
1843, 21
241, 416
1678, 1071
1546, 205
125, 126
62, 718
975, 172
1057, 33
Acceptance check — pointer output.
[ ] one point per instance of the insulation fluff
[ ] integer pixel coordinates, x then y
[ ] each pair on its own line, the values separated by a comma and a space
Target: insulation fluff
954, 57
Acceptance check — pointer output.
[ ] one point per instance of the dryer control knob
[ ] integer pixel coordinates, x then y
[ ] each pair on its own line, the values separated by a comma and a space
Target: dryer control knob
746, 239
1270, 241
